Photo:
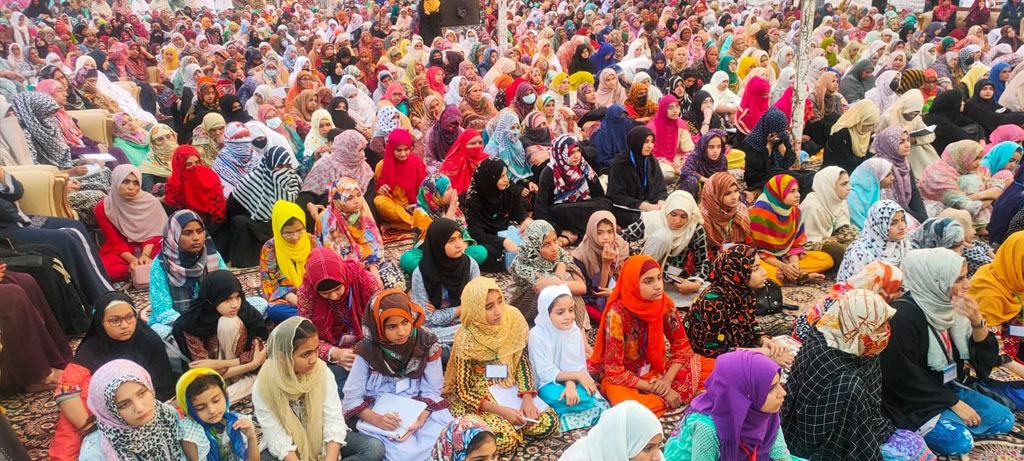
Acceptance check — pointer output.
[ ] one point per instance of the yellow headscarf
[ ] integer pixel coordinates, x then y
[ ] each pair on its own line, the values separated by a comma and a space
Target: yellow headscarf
291, 258
861, 115
999, 286
972, 76
478, 341
171, 65
158, 162
746, 64
557, 80
579, 78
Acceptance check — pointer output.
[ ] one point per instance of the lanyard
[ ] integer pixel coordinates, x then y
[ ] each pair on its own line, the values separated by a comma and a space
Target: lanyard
943, 338
632, 159
751, 454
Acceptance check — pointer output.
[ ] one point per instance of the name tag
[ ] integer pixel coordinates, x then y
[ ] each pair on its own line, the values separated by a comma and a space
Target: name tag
496, 372
403, 385
1017, 330
645, 369
949, 374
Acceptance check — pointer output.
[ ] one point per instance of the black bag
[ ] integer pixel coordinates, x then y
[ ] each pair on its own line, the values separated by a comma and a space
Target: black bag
62, 292
769, 298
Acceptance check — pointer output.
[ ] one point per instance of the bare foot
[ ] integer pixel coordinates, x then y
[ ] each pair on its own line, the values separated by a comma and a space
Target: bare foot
815, 278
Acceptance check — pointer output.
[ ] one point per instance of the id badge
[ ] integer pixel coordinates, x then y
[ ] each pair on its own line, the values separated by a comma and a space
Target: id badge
949, 374
1017, 330
645, 369
496, 372
402, 385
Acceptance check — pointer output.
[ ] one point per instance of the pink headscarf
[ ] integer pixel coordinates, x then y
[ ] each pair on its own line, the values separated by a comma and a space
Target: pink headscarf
666, 130
72, 135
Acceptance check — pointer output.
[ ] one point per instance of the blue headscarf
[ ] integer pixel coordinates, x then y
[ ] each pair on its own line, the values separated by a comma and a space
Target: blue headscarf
289, 63
237, 438
485, 63
603, 57
504, 143
610, 137
998, 85
997, 158
865, 188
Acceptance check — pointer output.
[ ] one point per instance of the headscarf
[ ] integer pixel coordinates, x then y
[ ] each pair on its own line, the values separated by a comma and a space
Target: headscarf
444, 133
973, 76
627, 289
271, 180
722, 224
553, 350
937, 232
862, 114
610, 137
346, 160
461, 161
197, 188
823, 210
234, 160
201, 318
291, 258
453, 444
236, 438
874, 243
857, 324
852, 86
504, 143
942, 178
622, 433
776, 227
158, 438
736, 390
865, 188
879, 277
529, 266
408, 360
606, 97
646, 108
754, 102
480, 342
161, 156
582, 106
999, 286
279, 385
724, 97
138, 219
658, 219
43, 133
589, 250
666, 141
929, 276
185, 270
407, 174
72, 134
571, 182
353, 235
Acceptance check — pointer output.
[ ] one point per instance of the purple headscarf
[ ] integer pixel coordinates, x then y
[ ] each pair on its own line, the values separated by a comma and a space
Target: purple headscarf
441, 139
887, 146
697, 164
736, 390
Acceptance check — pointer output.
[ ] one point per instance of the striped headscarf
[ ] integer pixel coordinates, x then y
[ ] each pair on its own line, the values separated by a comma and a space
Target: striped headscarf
775, 226
273, 179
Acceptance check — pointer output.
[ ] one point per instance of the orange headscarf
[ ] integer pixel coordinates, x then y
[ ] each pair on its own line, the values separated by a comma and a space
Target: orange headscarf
627, 290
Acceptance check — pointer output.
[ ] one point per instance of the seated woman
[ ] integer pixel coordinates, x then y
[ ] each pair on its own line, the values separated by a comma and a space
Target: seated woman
770, 153
674, 237
129, 418
826, 218
776, 226
995, 286
463, 158
536, 140
726, 217
29, 328
397, 357
187, 255
504, 143
441, 276
708, 158
635, 181
131, 221
333, 295
1001, 159
673, 141
488, 357
599, 258
918, 369
632, 368
542, 262
976, 251
722, 318
569, 190
131, 139
946, 113
76, 140
221, 330
894, 144
866, 185
984, 109
208, 426
836, 374
297, 404
881, 278
316, 144
491, 207
437, 199
737, 415
209, 137
234, 161
347, 228
347, 159
956, 181
116, 332
156, 166
628, 431
195, 187
610, 137
283, 260
939, 233
850, 140
559, 358
882, 239
467, 437
397, 177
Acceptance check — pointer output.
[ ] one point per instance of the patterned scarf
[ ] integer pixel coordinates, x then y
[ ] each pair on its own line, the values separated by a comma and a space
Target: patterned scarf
571, 182
158, 438
776, 227
273, 179
352, 235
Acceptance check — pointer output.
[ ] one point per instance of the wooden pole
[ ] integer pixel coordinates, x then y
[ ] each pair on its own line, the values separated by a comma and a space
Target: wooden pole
804, 46
502, 27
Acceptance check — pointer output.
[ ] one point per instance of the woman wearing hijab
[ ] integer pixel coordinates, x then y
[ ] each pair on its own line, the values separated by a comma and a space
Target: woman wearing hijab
632, 368
879, 277
286, 382
474, 106
195, 186
599, 257
701, 116
672, 139
609, 91
950, 124
866, 185
906, 114
995, 286
131, 139
826, 217
441, 275
115, 333
983, 109
778, 231
883, 239
675, 237
221, 330
627, 431
347, 159
769, 153
442, 135
725, 217
610, 137
283, 260
144, 426
462, 159
569, 190
930, 339
232, 110
541, 262
504, 143
957, 182
708, 158
396, 178
850, 139
437, 199
207, 102
894, 145
635, 178
347, 227
131, 221
857, 81
837, 372
738, 414
939, 232
495, 334
156, 166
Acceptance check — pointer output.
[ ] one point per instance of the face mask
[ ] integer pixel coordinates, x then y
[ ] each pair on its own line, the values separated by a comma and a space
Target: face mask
513, 136
641, 100
909, 117
274, 123
530, 98
260, 143
271, 72
894, 84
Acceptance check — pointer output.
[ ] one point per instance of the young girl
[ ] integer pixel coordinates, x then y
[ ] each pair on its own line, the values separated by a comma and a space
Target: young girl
397, 356
488, 355
347, 228
297, 405
437, 199
558, 355
777, 229
541, 263
599, 257
283, 260
441, 276
129, 418
398, 177
630, 431
466, 439
209, 431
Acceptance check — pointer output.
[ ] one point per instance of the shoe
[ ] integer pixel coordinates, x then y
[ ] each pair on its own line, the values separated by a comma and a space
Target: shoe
791, 307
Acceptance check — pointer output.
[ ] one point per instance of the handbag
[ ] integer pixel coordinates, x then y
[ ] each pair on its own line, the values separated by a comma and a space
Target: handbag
769, 298
140, 276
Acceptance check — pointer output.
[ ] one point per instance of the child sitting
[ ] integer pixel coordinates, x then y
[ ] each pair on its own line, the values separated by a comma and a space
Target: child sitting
468, 438
202, 395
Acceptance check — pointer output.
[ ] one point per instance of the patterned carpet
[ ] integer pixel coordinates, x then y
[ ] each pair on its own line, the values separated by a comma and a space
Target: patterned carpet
34, 416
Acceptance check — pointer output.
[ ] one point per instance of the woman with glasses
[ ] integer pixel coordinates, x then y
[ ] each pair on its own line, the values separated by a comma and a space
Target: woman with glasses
116, 332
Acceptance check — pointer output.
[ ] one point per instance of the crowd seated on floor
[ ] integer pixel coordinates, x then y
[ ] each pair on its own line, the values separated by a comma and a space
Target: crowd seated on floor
397, 238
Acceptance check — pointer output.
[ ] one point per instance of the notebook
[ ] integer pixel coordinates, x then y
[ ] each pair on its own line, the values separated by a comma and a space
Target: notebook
408, 410
509, 397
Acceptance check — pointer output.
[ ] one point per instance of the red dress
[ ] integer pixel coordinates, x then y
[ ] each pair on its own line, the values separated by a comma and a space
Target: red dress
114, 244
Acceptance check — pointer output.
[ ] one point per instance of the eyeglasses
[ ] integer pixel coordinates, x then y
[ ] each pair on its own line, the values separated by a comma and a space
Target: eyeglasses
118, 321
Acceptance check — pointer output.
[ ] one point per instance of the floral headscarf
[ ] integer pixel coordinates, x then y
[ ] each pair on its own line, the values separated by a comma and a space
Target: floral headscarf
571, 182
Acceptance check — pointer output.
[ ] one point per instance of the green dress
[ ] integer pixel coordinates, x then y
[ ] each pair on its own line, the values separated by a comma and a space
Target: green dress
135, 152
696, 439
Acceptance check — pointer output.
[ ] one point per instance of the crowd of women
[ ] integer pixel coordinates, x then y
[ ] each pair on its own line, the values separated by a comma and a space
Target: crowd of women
628, 163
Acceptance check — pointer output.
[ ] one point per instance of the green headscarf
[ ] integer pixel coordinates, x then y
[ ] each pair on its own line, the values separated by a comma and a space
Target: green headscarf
723, 65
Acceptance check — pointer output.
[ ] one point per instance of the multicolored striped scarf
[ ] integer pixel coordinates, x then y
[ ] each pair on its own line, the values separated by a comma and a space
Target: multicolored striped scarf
775, 227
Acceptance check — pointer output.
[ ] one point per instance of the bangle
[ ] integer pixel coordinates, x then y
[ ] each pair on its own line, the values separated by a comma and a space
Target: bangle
983, 324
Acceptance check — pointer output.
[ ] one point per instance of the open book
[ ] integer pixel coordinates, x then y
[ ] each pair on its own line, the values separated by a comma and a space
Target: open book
407, 409
509, 397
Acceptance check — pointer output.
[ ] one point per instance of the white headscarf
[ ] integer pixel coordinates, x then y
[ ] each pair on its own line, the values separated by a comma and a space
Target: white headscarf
923, 59
929, 275
21, 34
620, 434
657, 220
721, 97
360, 106
823, 211
552, 349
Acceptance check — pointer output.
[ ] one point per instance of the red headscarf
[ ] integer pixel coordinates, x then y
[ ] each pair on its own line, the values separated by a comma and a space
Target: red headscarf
755, 101
407, 174
785, 104
653, 312
432, 79
197, 188
332, 317
666, 130
461, 161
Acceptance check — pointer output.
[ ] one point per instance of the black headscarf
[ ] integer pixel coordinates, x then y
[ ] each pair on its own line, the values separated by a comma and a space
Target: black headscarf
535, 136
695, 115
436, 59
763, 42
202, 317
341, 118
239, 115
579, 63
144, 347
634, 152
440, 272
484, 201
